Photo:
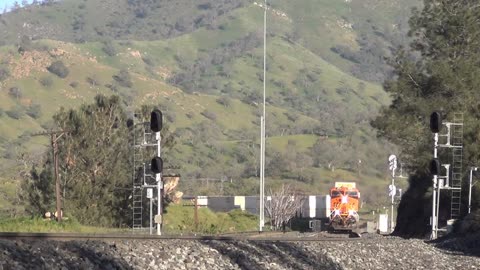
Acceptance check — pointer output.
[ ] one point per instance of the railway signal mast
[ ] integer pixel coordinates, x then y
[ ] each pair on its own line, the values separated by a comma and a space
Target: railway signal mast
392, 166
156, 123
150, 137
454, 141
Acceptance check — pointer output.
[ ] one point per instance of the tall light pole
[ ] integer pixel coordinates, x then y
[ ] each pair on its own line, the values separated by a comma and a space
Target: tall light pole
262, 123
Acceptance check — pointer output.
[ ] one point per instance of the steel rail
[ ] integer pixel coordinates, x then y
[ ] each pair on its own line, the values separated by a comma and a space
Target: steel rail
262, 237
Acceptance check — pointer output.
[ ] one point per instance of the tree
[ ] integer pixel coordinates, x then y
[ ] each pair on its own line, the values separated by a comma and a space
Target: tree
441, 74
58, 68
109, 48
38, 190
25, 44
123, 78
16, 6
34, 110
94, 163
16, 112
283, 205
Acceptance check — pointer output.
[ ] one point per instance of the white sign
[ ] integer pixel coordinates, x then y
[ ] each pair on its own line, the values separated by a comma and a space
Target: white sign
392, 162
383, 223
392, 190
149, 193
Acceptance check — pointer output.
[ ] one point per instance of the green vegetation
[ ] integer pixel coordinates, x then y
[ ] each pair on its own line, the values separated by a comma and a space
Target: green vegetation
202, 66
443, 78
58, 68
180, 219
42, 225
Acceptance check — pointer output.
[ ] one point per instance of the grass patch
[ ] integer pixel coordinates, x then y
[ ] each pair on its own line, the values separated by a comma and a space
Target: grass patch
180, 219
41, 225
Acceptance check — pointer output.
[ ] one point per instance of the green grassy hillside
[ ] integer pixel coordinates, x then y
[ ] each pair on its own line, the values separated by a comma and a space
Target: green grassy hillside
204, 68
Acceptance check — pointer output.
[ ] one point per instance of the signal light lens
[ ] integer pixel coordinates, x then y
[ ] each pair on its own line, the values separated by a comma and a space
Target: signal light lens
435, 167
156, 120
157, 165
435, 122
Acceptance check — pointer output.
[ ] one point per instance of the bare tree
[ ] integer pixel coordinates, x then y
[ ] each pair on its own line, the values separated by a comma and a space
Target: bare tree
282, 205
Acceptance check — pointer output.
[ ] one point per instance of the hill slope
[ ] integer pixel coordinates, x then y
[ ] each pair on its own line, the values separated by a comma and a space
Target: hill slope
205, 73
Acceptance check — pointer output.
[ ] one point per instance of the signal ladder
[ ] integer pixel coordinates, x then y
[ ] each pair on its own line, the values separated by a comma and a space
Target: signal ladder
140, 134
457, 157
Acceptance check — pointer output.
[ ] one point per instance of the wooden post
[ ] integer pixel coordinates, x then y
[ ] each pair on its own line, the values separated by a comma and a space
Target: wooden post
58, 195
58, 215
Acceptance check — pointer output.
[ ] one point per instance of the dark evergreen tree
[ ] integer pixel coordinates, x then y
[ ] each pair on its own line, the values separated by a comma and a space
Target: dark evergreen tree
440, 73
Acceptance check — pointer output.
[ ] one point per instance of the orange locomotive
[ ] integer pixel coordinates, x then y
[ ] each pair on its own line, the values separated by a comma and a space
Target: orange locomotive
344, 202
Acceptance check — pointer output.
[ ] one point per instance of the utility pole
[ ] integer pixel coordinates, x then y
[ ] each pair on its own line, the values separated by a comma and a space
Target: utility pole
54, 137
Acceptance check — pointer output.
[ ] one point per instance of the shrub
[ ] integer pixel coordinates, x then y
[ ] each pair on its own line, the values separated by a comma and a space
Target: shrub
15, 112
15, 92
204, 6
25, 44
47, 81
59, 69
74, 84
34, 111
148, 60
4, 73
210, 115
93, 80
225, 101
109, 48
123, 78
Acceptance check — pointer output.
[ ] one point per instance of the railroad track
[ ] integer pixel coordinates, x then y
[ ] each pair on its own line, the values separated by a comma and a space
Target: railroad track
254, 236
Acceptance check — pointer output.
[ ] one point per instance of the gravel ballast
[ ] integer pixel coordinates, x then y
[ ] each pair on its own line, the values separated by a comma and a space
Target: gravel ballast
368, 253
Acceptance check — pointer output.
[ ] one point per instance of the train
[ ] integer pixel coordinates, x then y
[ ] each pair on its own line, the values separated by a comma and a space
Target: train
335, 211
344, 204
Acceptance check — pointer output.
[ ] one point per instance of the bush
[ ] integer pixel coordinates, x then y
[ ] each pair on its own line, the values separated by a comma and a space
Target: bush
109, 48
4, 73
15, 92
210, 115
15, 113
204, 6
74, 84
123, 78
25, 44
225, 101
47, 81
59, 69
93, 80
148, 60
34, 111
